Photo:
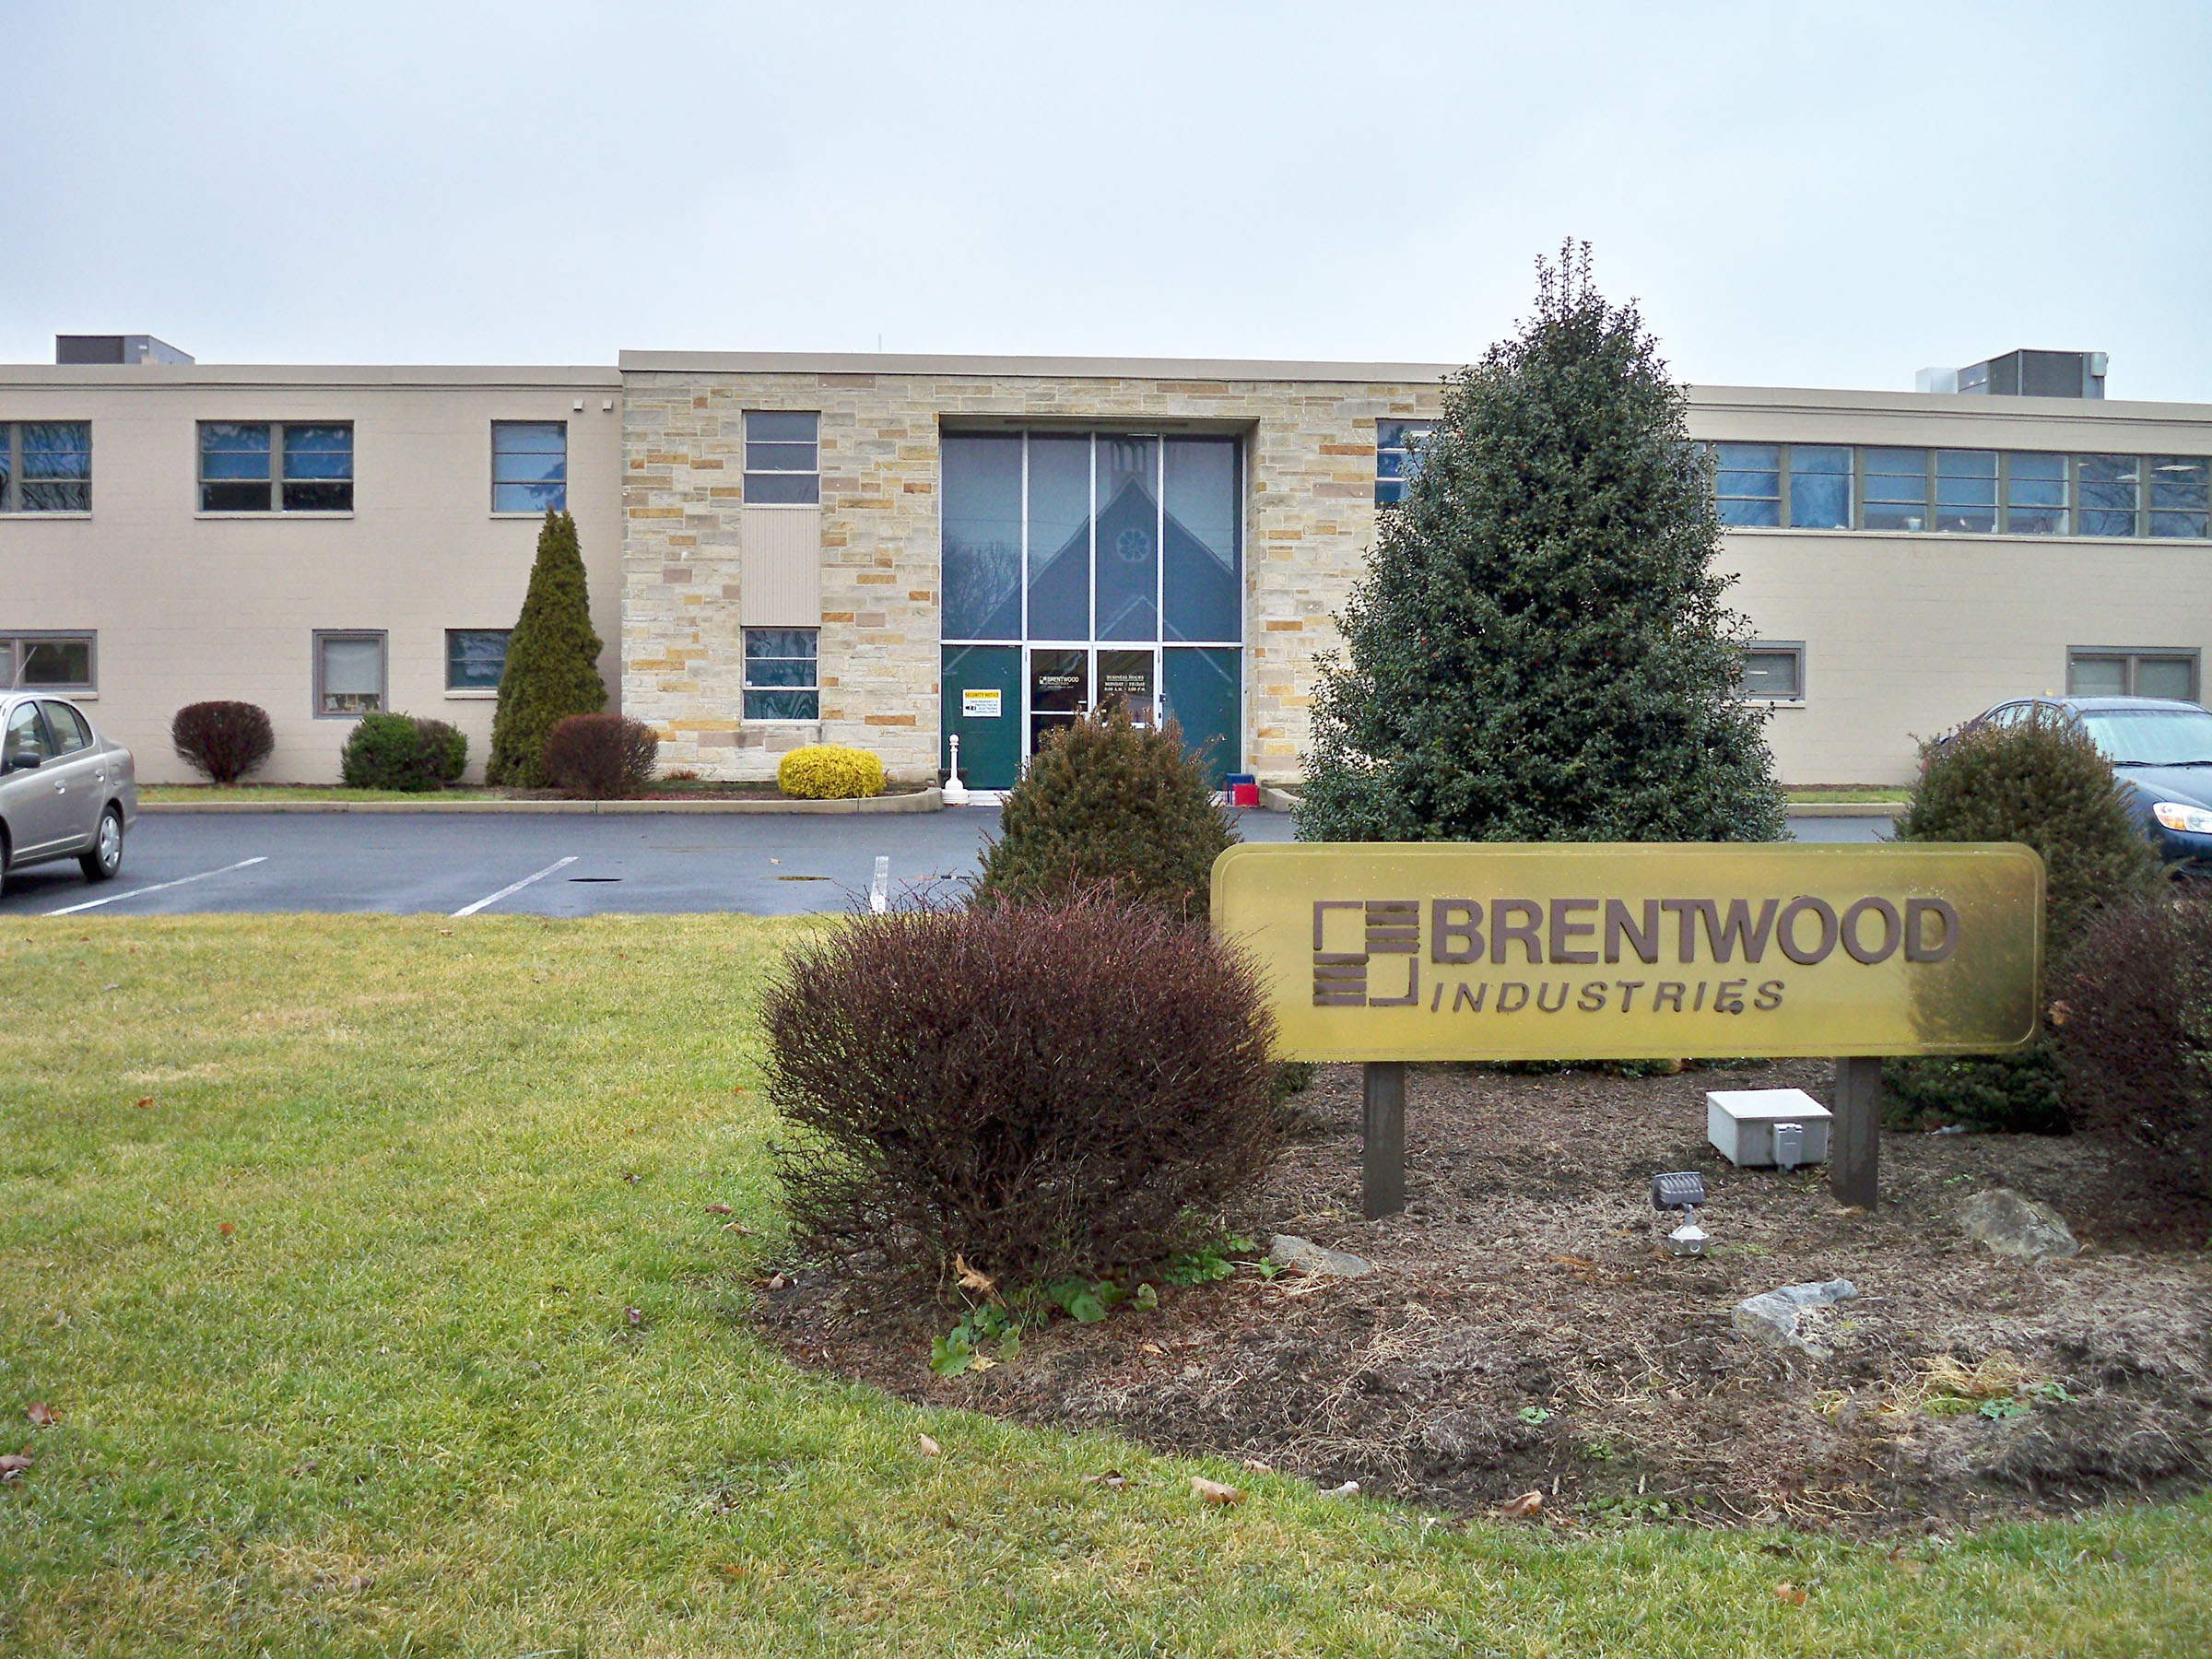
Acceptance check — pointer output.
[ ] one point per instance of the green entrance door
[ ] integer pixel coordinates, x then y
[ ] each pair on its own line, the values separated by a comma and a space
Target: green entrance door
981, 705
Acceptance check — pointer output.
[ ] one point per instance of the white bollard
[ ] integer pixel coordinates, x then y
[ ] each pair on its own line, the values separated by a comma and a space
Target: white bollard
956, 792
879, 890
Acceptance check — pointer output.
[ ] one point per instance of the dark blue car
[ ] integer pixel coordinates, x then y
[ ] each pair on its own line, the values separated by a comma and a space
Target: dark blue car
2160, 751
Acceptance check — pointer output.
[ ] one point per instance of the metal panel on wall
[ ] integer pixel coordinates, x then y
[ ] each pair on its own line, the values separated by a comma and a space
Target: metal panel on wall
780, 568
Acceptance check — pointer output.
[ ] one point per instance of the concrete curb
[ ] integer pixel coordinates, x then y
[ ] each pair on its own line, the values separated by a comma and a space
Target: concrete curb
921, 800
1282, 800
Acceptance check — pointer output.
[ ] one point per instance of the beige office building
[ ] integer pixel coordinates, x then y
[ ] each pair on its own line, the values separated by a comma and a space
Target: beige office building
891, 551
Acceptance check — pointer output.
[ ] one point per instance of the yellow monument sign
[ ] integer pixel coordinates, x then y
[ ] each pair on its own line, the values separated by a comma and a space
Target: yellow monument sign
1569, 951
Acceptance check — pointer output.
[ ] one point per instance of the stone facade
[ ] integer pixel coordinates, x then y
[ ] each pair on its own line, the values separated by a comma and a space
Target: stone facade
1309, 438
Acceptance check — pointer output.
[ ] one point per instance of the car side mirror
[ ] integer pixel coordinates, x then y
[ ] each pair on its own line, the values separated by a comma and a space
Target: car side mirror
22, 761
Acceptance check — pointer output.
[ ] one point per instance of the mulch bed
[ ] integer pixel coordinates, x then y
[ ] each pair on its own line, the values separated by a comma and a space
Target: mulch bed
1526, 1330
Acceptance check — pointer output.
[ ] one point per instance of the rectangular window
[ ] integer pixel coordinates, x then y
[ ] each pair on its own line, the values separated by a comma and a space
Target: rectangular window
1966, 492
1747, 483
276, 466
779, 673
1897, 489
2035, 495
475, 658
782, 465
1773, 671
2110, 492
52, 662
349, 674
2180, 496
1820, 485
45, 467
1397, 457
529, 465
2098, 673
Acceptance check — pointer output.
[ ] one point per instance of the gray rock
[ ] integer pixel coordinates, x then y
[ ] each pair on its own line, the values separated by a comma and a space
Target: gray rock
1287, 1249
1792, 1318
2012, 1225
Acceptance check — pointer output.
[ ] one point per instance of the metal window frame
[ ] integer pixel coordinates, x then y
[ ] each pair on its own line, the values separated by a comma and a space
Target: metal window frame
11, 663
494, 481
1382, 449
1996, 485
2005, 504
745, 474
384, 670
745, 684
450, 633
277, 508
1790, 648
11, 486
2132, 655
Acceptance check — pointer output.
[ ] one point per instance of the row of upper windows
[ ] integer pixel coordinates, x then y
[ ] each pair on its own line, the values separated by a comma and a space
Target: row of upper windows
307, 465
1852, 487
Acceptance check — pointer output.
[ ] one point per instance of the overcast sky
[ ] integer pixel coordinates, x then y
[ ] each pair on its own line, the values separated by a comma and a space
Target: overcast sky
1798, 195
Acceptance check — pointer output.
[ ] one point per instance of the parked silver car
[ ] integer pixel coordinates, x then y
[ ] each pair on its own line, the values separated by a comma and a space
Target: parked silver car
65, 792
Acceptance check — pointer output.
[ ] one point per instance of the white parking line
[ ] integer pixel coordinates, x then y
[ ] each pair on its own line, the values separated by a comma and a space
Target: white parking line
71, 909
515, 886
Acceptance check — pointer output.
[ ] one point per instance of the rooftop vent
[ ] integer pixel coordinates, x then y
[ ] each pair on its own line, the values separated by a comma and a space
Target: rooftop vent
115, 348
2022, 375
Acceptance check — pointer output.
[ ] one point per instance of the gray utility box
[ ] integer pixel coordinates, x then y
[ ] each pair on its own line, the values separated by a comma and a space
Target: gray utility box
1740, 1123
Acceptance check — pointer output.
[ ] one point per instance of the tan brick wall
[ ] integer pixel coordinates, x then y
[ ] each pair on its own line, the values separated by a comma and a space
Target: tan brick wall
1309, 521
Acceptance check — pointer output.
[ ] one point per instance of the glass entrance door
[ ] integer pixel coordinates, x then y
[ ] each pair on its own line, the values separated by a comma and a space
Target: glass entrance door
1059, 691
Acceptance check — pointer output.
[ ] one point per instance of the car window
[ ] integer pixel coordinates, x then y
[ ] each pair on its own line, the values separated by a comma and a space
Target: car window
70, 732
2152, 737
26, 736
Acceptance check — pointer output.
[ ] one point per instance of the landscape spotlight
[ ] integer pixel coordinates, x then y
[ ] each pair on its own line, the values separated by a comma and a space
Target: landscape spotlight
1685, 1191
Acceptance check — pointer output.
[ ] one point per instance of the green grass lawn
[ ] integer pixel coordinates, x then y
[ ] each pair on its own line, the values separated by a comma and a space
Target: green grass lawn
1827, 794
319, 1235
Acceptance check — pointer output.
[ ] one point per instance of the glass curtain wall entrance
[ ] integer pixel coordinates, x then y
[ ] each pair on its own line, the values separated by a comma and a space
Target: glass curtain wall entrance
1082, 566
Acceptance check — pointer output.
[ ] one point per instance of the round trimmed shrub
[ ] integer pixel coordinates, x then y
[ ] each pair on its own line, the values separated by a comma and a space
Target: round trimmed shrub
1108, 804
2046, 784
402, 752
828, 771
224, 740
597, 757
1042, 1089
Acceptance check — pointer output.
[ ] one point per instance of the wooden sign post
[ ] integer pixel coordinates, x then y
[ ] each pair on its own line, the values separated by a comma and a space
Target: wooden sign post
1387, 953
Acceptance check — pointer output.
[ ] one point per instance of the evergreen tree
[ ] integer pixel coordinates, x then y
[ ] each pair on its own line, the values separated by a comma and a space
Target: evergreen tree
1539, 651
552, 660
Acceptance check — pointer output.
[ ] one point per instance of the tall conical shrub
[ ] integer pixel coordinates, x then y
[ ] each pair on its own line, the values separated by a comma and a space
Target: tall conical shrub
552, 660
1539, 651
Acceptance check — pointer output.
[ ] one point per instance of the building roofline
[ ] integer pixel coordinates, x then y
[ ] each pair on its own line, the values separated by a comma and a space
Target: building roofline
1003, 368
596, 377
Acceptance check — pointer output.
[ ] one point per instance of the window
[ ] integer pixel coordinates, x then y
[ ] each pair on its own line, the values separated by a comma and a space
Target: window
2035, 495
779, 682
52, 662
26, 738
1397, 457
782, 465
529, 465
2100, 673
1820, 485
1966, 492
45, 467
2181, 493
350, 675
70, 732
1747, 483
475, 658
2110, 486
1773, 671
264, 467
1897, 489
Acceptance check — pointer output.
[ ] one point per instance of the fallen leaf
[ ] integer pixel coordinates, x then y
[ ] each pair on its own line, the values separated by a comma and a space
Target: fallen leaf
630, 1176
146, 1099
1907, 1564
1257, 1468
720, 1209
1350, 1488
776, 1281
971, 1279
729, 1572
41, 1414
1112, 1478
930, 1447
1788, 1592
740, 1228
226, 1229
1151, 1347
1212, 1492
981, 1362
634, 1316
13, 1463
445, 933
1520, 1508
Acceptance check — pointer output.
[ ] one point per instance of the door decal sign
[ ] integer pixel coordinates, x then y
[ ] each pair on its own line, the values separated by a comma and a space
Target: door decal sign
979, 704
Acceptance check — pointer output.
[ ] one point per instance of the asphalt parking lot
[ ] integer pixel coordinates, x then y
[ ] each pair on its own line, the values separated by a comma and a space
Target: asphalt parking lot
549, 864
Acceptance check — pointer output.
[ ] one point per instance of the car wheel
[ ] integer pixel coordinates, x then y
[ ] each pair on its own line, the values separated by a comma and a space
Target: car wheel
105, 856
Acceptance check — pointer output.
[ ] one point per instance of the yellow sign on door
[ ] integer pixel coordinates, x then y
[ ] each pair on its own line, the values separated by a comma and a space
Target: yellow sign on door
1573, 951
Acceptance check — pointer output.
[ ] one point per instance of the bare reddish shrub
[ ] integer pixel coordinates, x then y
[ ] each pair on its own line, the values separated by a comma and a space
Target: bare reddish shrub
2133, 1017
1068, 1087
225, 740
597, 757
